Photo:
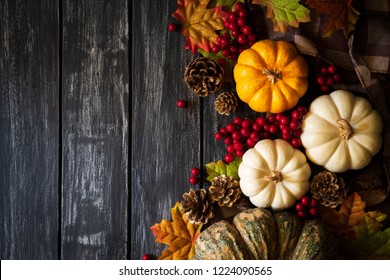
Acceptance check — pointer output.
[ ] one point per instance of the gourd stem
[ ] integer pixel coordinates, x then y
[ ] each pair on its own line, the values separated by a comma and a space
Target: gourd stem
273, 176
345, 128
272, 75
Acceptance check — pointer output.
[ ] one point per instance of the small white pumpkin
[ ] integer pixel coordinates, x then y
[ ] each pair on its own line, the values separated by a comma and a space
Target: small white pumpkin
274, 174
341, 131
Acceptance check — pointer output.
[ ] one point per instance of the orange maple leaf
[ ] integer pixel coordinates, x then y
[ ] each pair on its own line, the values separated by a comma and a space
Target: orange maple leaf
340, 15
179, 235
199, 23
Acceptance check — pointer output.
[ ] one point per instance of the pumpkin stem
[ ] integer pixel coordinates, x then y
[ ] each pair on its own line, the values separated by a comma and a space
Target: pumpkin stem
272, 75
273, 176
345, 129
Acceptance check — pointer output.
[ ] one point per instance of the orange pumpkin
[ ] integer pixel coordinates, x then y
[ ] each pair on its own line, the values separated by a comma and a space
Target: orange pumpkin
271, 76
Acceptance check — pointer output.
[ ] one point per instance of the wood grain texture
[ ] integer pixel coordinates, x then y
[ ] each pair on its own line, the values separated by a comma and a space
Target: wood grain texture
29, 129
165, 139
95, 119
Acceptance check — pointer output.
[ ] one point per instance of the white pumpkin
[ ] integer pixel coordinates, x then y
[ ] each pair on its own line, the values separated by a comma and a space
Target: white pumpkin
341, 131
274, 174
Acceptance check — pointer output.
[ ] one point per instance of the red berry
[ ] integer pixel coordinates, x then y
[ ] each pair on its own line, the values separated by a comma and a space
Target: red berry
241, 21
295, 124
266, 135
299, 207
305, 200
224, 41
332, 69
243, 13
230, 149
297, 133
246, 123
172, 27
242, 39
313, 212
218, 136
239, 6
182, 104
337, 77
250, 142
146, 257
245, 131
240, 153
195, 171
324, 70
231, 127
255, 136
279, 116
296, 115
215, 48
223, 131
262, 121
229, 158
237, 120
286, 137
266, 127
296, 142
233, 26
226, 52
228, 141
226, 35
235, 33
233, 17
247, 29
284, 120
302, 109
256, 126
226, 23
321, 80
324, 88
272, 118
233, 49
236, 135
232, 57
252, 37
287, 131
330, 81
238, 146
273, 129
313, 202
241, 49
193, 180
301, 214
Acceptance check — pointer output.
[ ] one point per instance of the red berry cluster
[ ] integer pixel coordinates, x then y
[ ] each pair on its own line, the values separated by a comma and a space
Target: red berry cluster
307, 207
327, 77
194, 179
239, 37
242, 134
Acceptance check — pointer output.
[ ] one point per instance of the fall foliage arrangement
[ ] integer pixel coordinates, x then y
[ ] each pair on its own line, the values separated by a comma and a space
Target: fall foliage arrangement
282, 190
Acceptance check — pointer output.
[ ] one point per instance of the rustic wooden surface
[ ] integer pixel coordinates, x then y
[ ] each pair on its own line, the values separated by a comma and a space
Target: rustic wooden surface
93, 149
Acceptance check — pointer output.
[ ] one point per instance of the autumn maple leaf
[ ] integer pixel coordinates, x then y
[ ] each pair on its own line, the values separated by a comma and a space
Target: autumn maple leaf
199, 23
179, 235
284, 13
340, 15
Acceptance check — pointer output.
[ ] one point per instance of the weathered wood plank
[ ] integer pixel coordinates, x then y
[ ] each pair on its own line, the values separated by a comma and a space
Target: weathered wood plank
165, 139
95, 117
29, 129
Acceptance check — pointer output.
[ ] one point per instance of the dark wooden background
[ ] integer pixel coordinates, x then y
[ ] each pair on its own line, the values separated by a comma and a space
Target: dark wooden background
93, 150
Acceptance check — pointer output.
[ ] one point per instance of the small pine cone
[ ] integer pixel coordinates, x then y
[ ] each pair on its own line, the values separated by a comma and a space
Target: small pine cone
226, 103
225, 190
197, 206
203, 76
328, 189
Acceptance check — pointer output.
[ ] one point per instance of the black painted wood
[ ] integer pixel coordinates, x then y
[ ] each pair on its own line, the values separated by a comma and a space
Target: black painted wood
165, 139
29, 128
95, 127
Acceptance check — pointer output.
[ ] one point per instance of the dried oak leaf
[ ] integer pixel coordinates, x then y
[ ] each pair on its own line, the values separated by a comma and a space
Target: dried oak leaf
340, 15
179, 235
284, 13
350, 214
199, 23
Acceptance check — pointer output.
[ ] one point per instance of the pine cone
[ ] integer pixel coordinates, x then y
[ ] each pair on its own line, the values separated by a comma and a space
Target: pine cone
328, 189
225, 190
203, 76
226, 103
197, 206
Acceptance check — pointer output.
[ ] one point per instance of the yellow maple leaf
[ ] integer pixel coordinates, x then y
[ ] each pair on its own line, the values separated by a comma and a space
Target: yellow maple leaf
180, 236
